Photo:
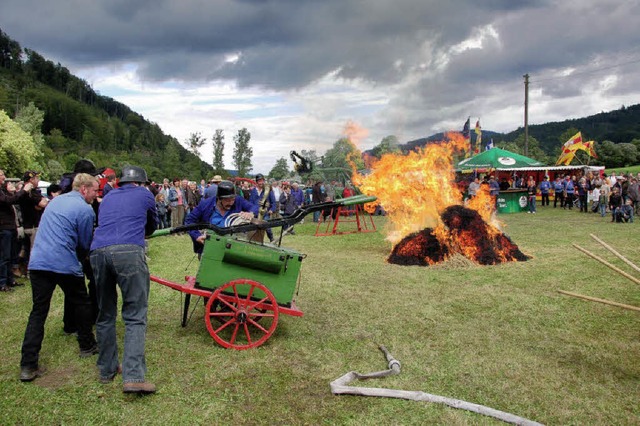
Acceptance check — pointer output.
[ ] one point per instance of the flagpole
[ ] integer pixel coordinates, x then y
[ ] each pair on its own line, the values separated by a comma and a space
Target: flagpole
526, 114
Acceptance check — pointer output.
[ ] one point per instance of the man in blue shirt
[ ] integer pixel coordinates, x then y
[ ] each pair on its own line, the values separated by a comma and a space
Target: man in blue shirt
569, 190
211, 190
217, 210
263, 197
127, 214
558, 191
63, 239
545, 186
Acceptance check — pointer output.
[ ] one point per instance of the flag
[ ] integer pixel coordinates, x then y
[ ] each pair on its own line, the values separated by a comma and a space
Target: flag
478, 137
489, 145
574, 143
569, 149
590, 146
466, 135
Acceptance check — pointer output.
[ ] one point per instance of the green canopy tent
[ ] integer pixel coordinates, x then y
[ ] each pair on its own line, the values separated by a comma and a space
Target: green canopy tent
497, 158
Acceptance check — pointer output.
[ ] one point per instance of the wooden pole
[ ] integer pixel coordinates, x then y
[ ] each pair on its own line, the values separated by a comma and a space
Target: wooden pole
595, 299
604, 262
612, 250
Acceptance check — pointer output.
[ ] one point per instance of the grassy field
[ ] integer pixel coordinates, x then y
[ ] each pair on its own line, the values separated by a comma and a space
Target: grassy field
624, 170
500, 336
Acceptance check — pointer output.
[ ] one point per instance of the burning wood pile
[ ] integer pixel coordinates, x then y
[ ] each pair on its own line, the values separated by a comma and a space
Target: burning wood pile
465, 233
427, 221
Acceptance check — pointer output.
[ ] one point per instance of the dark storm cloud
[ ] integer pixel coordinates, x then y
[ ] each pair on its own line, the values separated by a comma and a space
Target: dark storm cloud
415, 49
281, 43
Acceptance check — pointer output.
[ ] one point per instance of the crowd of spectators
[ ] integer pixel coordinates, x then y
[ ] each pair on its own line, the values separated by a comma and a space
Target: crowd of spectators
603, 194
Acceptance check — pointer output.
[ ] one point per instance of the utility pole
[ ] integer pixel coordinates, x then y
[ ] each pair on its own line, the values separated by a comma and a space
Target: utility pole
526, 114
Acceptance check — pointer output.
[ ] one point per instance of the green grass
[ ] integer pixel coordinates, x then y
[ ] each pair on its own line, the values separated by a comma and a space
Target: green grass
499, 336
624, 170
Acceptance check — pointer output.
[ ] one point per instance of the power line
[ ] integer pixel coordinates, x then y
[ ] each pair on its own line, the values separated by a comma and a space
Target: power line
587, 72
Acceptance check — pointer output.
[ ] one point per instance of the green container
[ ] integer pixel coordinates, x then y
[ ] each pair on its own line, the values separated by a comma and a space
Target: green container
226, 259
512, 201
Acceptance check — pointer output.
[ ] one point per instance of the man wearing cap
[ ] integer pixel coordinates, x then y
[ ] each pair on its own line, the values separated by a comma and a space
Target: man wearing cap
217, 210
63, 239
8, 228
558, 192
31, 208
212, 189
117, 257
569, 191
263, 197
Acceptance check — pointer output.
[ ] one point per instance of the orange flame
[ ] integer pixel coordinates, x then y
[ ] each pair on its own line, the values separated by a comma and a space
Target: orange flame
415, 188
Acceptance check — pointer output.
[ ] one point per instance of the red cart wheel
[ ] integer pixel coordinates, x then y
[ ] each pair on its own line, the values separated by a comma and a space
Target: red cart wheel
241, 314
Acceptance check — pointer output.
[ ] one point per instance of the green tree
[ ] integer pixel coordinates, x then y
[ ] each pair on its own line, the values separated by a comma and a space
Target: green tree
171, 160
388, 144
280, 170
17, 150
218, 152
343, 154
535, 151
30, 119
610, 154
242, 152
53, 170
629, 153
195, 142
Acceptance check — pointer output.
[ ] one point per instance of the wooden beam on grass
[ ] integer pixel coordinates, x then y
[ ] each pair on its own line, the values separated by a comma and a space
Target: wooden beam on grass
612, 250
605, 301
604, 262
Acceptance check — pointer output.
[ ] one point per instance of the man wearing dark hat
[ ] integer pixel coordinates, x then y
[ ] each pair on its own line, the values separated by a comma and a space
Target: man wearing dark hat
217, 210
31, 208
117, 257
81, 166
263, 197
63, 239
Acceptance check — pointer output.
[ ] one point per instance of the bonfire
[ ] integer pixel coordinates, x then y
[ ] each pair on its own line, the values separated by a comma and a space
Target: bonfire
428, 222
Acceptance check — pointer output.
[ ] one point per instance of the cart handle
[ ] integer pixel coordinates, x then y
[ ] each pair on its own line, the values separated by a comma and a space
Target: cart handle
292, 219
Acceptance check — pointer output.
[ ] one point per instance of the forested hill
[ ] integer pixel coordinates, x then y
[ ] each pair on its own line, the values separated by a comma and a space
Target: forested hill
619, 126
617, 136
80, 123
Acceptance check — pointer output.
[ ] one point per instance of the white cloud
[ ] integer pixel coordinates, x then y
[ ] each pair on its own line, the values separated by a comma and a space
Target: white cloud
294, 73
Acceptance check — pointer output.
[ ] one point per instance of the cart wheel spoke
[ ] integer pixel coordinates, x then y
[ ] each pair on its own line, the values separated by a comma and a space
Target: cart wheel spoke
225, 325
246, 332
258, 326
260, 302
235, 333
233, 305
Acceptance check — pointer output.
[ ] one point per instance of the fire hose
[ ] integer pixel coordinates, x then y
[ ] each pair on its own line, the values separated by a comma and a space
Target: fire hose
340, 387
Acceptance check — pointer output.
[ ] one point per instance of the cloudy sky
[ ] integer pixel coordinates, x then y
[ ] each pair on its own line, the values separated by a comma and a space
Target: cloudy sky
295, 72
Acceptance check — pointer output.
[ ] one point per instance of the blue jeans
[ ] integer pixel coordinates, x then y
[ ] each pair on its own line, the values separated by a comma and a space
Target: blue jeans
124, 265
6, 256
532, 204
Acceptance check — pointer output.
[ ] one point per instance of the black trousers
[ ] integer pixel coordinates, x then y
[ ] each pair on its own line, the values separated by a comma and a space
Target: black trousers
43, 283
68, 318
545, 199
568, 201
559, 196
